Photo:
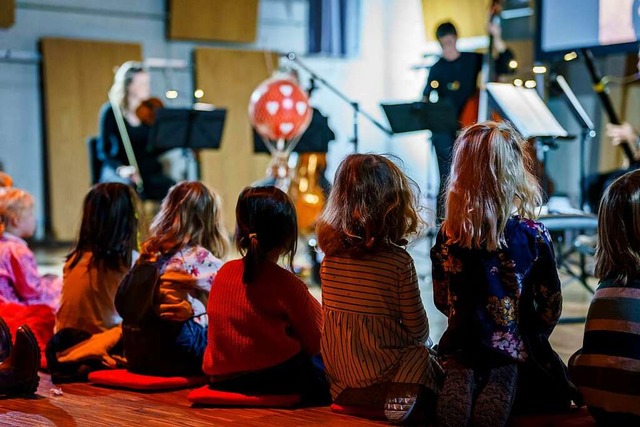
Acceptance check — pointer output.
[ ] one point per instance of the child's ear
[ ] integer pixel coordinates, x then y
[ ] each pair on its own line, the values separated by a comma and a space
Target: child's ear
13, 220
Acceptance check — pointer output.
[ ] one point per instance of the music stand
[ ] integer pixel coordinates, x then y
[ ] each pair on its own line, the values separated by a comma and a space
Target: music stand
585, 123
186, 128
416, 116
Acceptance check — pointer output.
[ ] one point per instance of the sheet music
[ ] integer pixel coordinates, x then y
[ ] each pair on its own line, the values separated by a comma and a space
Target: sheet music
525, 110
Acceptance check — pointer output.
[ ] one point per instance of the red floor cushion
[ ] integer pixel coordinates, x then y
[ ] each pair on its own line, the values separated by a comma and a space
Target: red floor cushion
40, 319
359, 411
206, 396
574, 418
121, 378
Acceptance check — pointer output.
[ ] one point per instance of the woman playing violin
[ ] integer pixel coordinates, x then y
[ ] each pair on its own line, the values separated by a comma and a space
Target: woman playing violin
129, 92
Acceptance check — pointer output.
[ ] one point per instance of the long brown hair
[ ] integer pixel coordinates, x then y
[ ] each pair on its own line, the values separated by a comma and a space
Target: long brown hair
109, 228
618, 251
372, 204
490, 178
190, 215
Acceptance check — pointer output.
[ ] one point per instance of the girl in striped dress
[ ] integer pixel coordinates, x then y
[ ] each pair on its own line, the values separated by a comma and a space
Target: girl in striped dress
375, 326
607, 368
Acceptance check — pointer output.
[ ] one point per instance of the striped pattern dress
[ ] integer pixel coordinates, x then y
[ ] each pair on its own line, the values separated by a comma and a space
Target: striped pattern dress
375, 326
607, 369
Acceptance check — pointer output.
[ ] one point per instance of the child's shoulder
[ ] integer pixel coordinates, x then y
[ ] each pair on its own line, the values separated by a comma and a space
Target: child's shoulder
533, 228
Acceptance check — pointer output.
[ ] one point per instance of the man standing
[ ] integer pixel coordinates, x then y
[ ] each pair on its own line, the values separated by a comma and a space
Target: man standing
454, 78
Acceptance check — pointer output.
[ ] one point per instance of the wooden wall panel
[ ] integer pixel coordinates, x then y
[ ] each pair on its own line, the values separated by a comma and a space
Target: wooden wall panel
7, 13
219, 20
77, 75
228, 77
469, 16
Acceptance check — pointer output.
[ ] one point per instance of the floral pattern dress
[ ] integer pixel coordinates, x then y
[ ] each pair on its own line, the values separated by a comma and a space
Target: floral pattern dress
480, 292
20, 282
185, 282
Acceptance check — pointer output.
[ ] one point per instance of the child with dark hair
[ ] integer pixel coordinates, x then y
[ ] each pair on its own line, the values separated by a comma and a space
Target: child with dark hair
87, 323
607, 368
186, 243
267, 324
376, 328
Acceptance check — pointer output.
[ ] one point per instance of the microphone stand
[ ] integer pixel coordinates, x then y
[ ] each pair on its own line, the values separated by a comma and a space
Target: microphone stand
354, 104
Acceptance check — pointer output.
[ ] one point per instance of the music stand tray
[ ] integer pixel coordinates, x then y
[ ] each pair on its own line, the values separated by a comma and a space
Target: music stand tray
525, 110
186, 128
415, 116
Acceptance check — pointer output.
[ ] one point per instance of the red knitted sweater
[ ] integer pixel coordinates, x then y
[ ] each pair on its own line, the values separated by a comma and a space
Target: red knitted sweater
257, 326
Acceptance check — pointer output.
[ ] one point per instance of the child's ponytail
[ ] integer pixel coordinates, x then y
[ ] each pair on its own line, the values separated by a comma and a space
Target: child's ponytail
251, 258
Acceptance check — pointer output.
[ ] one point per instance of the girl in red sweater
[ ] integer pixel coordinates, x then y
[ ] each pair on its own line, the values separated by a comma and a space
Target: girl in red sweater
265, 325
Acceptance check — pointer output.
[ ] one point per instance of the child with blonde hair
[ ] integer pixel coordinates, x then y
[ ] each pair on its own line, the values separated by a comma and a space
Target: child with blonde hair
19, 279
375, 326
491, 262
186, 243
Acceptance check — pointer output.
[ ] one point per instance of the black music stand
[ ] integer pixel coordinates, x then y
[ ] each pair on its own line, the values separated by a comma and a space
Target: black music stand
585, 123
187, 129
416, 116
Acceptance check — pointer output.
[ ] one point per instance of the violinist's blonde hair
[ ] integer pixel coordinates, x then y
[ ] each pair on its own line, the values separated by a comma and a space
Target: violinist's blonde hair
121, 81
490, 178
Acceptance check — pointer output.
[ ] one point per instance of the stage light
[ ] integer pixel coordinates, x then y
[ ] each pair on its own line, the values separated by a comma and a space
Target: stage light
517, 82
199, 93
171, 94
570, 56
530, 84
435, 84
513, 64
539, 69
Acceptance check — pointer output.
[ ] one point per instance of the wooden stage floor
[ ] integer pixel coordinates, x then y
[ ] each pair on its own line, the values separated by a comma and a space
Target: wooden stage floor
85, 405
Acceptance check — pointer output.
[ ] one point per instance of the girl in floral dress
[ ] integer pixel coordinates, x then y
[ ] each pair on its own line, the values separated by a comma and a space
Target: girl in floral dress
488, 252
187, 241
20, 282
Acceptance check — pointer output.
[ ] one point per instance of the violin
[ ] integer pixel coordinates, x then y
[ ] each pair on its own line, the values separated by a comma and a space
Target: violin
147, 109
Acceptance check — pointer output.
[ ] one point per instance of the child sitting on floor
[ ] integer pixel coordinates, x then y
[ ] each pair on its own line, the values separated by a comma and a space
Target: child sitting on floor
186, 242
375, 326
19, 279
105, 249
607, 368
267, 326
491, 262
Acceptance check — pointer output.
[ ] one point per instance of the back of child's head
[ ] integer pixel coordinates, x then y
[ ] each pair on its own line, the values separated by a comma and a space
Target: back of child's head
265, 223
5, 180
13, 204
372, 204
618, 250
109, 228
190, 215
490, 178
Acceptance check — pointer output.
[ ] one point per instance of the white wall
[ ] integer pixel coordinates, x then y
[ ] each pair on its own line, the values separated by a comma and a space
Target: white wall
392, 41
